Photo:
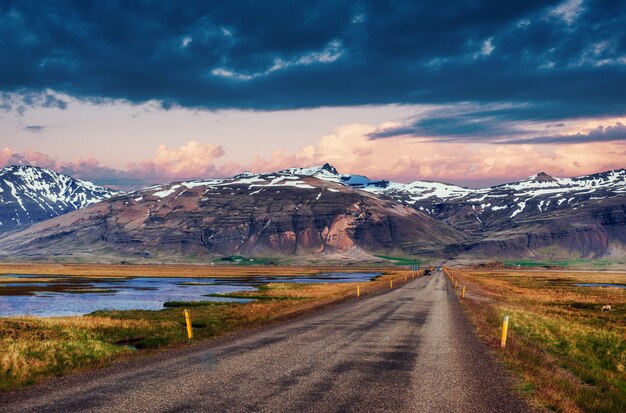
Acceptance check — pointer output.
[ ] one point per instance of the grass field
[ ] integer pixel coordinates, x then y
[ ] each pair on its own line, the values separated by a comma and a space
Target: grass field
572, 263
33, 349
174, 270
401, 260
568, 354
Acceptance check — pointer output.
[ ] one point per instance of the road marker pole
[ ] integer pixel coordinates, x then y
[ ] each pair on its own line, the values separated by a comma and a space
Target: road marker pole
188, 322
405, 278
505, 329
463, 292
456, 285
358, 291
390, 283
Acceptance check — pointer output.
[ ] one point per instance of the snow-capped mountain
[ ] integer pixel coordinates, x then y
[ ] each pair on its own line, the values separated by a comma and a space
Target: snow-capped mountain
540, 216
534, 195
539, 195
270, 214
30, 194
410, 193
318, 210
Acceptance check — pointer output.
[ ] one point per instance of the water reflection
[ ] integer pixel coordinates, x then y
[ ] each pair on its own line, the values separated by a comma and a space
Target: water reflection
68, 296
600, 285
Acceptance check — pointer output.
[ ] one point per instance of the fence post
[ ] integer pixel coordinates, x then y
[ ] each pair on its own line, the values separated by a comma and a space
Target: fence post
188, 322
505, 329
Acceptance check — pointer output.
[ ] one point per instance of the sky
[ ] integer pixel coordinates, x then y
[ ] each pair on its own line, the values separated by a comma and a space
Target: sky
476, 93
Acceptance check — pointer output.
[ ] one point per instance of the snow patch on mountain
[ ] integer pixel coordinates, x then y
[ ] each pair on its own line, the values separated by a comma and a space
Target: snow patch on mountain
30, 194
541, 191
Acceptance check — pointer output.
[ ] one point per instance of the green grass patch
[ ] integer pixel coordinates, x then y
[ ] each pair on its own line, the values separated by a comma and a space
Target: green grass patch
183, 304
152, 342
401, 260
567, 354
241, 260
255, 297
576, 263
532, 263
595, 355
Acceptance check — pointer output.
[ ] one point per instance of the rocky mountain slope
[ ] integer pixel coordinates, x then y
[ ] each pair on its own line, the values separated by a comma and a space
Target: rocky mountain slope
494, 206
29, 194
262, 215
317, 210
540, 216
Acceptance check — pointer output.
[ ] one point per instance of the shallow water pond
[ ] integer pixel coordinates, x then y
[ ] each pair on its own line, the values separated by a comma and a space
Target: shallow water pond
600, 285
68, 296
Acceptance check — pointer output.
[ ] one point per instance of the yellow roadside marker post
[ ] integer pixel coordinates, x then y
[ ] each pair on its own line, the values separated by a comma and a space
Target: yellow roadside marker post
405, 278
463, 292
358, 291
505, 329
188, 322
390, 283
455, 285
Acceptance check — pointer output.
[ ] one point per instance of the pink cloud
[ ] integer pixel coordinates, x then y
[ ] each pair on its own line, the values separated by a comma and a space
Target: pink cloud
193, 160
351, 150
5, 156
28, 157
87, 168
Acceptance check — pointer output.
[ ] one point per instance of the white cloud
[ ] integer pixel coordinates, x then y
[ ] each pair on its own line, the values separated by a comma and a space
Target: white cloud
359, 18
488, 47
328, 54
568, 11
230, 74
185, 42
601, 54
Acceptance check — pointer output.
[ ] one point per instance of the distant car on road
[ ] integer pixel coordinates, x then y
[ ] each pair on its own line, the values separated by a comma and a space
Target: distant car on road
427, 272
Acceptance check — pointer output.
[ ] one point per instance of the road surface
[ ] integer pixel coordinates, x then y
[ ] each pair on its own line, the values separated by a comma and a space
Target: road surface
408, 350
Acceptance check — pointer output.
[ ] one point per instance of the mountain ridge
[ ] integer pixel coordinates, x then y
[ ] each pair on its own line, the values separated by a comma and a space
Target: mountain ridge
30, 194
315, 210
267, 214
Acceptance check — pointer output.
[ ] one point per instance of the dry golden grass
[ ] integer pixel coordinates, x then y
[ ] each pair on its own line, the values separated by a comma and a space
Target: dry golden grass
568, 354
175, 270
33, 348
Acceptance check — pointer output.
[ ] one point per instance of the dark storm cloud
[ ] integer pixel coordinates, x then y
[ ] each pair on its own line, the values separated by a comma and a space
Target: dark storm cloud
599, 134
457, 124
495, 125
548, 59
34, 128
20, 102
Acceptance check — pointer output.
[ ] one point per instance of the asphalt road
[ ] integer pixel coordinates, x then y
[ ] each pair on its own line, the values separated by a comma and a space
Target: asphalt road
409, 350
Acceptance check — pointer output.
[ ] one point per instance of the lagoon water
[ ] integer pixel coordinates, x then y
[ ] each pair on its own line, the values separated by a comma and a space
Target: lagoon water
79, 296
601, 285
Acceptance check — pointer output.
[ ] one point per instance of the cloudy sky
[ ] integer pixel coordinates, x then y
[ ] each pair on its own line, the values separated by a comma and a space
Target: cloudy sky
127, 93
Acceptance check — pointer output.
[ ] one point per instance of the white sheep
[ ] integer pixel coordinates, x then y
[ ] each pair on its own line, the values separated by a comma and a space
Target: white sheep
606, 308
